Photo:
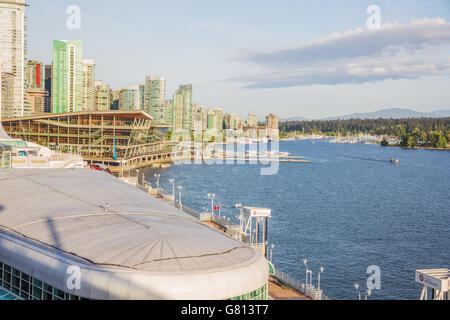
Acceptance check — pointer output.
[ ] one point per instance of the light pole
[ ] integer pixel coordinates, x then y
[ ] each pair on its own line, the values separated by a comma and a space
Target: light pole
318, 278
271, 252
180, 188
357, 289
368, 294
305, 262
241, 220
172, 181
157, 176
310, 278
212, 196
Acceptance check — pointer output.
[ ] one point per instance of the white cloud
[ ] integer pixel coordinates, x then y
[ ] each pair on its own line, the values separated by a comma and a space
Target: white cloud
362, 71
356, 56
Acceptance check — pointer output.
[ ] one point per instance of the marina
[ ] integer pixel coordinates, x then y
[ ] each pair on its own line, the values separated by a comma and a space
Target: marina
346, 210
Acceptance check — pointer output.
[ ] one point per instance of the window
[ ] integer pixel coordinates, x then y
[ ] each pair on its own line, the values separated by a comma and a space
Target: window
26, 287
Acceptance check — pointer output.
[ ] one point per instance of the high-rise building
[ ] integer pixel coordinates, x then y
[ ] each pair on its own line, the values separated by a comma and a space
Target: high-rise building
218, 112
67, 79
88, 85
141, 95
12, 57
115, 99
252, 120
101, 96
48, 87
34, 75
272, 122
272, 126
232, 121
130, 98
182, 101
169, 113
212, 121
199, 118
36, 98
155, 98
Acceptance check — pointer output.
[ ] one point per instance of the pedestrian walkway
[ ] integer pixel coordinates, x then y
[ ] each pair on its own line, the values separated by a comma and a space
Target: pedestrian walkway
279, 291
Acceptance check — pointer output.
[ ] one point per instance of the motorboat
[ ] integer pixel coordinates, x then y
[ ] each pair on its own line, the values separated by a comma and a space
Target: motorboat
394, 161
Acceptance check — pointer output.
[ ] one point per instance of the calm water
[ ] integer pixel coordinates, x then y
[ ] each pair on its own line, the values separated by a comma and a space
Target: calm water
347, 210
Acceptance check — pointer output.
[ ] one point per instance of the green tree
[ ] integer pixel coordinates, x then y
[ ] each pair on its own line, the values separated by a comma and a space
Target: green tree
441, 142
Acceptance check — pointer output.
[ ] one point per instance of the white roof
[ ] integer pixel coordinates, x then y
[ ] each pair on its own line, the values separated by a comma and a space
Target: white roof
60, 214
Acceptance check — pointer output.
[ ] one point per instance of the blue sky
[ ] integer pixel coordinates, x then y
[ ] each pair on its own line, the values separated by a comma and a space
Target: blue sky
263, 56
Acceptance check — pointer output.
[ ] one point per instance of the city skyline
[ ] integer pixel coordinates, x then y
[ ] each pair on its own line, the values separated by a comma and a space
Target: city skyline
204, 47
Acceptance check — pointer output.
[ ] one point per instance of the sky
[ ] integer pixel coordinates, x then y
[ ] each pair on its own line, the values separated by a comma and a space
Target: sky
312, 59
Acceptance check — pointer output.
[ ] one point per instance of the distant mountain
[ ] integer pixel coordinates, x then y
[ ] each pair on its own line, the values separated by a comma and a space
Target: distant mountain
295, 119
442, 113
393, 113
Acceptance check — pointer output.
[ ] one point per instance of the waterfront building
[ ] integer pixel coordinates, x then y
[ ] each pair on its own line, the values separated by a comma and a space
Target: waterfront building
100, 137
135, 247
155, 98
88, 85
101, 96
12, 56
67, 79
48, 87
34, 75
36, 98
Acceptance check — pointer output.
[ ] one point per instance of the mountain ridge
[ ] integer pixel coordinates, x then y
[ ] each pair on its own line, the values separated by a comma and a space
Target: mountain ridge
391, 113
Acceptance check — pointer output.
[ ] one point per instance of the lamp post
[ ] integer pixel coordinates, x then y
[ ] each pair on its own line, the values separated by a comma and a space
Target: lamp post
357, 289
310, 278
180, 188
305, 262
368, 294
172, 181
212, 196
157, 176
271, 252
241, 220
122, 163
318, 278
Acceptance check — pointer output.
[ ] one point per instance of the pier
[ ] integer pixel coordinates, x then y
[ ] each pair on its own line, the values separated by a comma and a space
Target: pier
281, 285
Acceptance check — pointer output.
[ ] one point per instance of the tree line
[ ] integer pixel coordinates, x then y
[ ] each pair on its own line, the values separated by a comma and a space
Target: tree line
413, 132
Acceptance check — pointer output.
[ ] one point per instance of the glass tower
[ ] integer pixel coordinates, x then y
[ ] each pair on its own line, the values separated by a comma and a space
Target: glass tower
67, 80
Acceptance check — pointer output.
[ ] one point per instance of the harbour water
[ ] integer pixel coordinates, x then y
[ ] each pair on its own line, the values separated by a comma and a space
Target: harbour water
347, 210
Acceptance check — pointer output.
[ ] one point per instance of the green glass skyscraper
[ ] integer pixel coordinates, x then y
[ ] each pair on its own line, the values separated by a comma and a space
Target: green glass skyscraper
67, 82
182, 101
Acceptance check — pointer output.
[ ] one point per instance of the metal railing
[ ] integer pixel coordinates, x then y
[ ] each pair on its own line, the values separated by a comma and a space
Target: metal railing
234, 231
307, 290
